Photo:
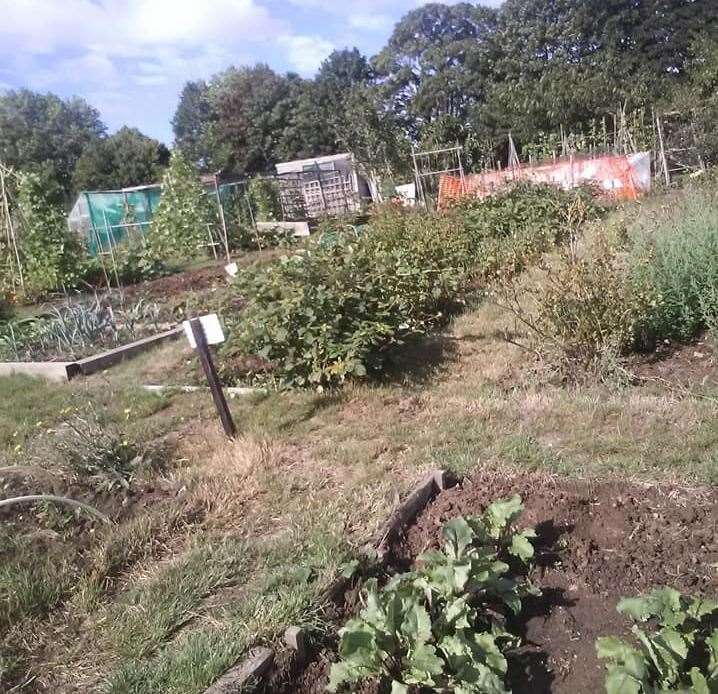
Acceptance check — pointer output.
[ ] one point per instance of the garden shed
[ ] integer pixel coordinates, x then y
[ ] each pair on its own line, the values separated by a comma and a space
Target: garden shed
321, 185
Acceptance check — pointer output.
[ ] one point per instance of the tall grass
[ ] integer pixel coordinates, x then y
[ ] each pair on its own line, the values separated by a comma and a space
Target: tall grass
675, 260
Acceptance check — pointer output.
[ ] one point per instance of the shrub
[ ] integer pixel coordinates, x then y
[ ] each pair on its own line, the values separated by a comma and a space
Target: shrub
678, 654
508, 231
332, 310
442, 625
52, 257
586, 305
675, 260
180, 225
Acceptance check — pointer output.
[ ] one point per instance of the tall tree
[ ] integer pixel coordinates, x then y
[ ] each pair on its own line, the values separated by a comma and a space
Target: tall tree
43, 134
191, 124
250, 107
566, 61
437, 62
127, 158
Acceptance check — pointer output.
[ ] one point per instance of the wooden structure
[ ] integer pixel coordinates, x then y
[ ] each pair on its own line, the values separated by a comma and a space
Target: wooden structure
311, 188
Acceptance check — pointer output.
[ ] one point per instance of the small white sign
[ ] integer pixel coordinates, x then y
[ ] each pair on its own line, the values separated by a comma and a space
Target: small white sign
231, 269
212, 330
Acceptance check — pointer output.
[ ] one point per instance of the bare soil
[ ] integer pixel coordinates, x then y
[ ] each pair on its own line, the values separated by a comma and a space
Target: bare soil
597, 542
688, 365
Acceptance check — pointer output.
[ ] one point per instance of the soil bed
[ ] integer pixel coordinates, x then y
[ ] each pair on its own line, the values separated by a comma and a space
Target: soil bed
597, 542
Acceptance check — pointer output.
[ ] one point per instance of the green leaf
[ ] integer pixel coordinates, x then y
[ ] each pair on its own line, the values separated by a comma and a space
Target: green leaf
620, 681
423, 664
417, 623
341, 673
521, 547
398, 688
611, 648
458, 535
499, 516
699, 685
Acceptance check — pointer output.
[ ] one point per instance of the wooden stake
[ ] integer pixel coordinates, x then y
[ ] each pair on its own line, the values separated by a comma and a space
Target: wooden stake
211, 373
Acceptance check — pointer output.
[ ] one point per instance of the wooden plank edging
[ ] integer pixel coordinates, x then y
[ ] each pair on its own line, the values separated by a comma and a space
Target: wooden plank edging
255, 667
59, 371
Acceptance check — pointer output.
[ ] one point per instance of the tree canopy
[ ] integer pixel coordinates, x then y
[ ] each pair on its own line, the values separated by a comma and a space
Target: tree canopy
127, 158
45, 135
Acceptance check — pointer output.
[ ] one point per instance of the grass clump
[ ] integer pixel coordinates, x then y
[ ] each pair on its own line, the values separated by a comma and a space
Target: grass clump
675, 259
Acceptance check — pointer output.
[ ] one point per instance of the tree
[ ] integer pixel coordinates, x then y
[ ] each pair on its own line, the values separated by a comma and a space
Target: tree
127, 158
191, 124
250, 104
567, 61
179, 226
373, 135
437, 62
305, 115
51, 255
45, 135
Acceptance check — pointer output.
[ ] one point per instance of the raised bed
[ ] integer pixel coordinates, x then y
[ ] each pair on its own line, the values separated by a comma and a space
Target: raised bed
597, 542
64, 371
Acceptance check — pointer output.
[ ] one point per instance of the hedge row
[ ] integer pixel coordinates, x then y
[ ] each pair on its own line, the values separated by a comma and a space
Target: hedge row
334, 310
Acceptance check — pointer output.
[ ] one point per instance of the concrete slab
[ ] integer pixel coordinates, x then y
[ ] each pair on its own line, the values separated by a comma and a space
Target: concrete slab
56, 371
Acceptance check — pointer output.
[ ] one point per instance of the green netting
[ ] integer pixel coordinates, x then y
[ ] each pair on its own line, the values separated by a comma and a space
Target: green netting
107, 218
117, 216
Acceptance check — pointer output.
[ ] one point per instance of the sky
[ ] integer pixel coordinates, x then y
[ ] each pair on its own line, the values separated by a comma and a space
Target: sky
130, 58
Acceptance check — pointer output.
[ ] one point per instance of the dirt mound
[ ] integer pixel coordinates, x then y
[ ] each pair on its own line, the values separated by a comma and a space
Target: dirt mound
189, 281
597, 543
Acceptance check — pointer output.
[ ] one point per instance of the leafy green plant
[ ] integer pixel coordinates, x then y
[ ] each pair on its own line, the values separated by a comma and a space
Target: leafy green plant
675, 260
76, 329
180, 225
678, 654
264, 196
331, 311
52, 257
334, 309
441, 626
511, 229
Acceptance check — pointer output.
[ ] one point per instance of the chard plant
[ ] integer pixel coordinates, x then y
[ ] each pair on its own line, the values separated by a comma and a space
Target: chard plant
677, 653
441, 627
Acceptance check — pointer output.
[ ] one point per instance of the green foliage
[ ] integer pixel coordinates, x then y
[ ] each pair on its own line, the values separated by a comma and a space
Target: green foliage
76, 330
264, 196
675, 262
126, 158
511, 229
439, 626
332, 310
52, 257
586, 306
96, 451
678, 654
180, 225
45, 135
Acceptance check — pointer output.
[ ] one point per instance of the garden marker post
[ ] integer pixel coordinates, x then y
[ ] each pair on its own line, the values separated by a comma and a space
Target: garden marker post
202, 347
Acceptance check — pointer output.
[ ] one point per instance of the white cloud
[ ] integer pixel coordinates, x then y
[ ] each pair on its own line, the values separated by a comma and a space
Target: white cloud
306, 53
370, 22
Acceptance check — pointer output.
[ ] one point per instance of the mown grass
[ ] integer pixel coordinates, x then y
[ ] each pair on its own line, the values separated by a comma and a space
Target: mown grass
232, 541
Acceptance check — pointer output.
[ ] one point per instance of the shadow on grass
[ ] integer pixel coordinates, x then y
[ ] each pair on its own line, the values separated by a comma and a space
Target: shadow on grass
419, 360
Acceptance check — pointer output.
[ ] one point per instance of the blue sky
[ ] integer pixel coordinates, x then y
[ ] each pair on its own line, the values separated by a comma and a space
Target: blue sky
130, 58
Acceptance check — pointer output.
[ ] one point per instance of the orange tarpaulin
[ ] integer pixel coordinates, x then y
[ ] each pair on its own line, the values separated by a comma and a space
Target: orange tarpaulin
623, 177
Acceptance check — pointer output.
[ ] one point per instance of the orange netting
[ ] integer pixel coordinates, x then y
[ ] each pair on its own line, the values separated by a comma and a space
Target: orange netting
623, 177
